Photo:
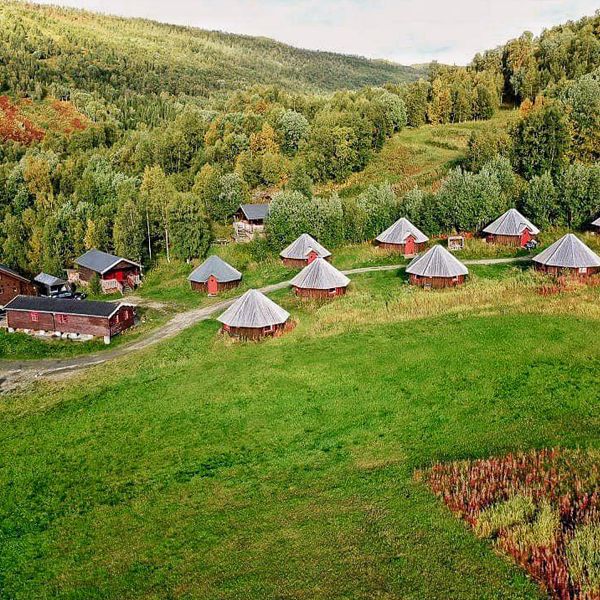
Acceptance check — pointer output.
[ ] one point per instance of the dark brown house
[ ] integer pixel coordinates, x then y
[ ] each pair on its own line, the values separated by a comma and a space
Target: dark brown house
13, 284
58, 316
116, 274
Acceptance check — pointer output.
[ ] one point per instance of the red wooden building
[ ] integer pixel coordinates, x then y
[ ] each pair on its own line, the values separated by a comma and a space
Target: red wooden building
319, 279
303, 251
511, 229
116, 274
60, 317
568, 256
214, 275
402, 237
13, 284
437, 268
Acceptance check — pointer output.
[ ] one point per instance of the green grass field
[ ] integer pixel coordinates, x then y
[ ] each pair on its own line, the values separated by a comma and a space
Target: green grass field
208, 468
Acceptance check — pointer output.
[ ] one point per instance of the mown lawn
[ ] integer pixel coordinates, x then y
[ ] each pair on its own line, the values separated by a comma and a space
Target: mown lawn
207, 468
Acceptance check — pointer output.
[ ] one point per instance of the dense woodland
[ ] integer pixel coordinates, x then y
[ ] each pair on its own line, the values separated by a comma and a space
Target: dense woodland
136, 137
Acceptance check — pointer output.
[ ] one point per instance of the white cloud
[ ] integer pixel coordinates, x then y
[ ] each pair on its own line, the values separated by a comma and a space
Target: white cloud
406, 31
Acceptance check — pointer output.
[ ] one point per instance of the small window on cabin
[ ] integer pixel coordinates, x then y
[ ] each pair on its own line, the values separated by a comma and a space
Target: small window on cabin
455, 279
61, 319
583, 269
269, 328
117, 318
35, 317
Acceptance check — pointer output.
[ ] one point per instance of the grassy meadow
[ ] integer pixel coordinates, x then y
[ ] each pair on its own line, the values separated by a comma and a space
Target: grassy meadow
210, 468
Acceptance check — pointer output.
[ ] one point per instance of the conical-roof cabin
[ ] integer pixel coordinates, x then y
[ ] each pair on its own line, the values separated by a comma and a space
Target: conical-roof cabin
437, 268
214, 275
596, 224
402, 236
511, 229
568, 255
302, 251
320, 279
253, 316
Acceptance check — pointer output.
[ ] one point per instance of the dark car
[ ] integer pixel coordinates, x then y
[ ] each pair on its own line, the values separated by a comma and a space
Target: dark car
68, 295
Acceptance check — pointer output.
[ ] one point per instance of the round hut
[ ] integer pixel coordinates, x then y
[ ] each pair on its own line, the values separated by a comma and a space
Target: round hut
319, 279
437, 268
568, 256
214, 275
511, 229
403, 237
253, 316
303, 251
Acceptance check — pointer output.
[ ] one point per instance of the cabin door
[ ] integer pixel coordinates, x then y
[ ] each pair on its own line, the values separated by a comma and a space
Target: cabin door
525, 237
212, 285
409, 246
312, 255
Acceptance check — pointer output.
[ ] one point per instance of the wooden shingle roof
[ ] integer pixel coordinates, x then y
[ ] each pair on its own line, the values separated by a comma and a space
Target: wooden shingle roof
254, 310
512, 222
400, 231
301, 247
320, 275
568, 252
214, 265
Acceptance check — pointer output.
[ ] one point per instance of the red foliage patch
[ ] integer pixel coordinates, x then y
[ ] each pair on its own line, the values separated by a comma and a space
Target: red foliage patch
15, 126
567, 480
69, 115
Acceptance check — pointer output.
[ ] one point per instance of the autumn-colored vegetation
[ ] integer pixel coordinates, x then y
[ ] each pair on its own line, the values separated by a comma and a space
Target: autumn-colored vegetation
540, 507
14, 126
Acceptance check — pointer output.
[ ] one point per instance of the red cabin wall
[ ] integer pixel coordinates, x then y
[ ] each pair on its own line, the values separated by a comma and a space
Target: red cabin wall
203, 287
255, 333
298, 263
400, 248
437, 282
11, 287
574, 272
510, 240
313, 293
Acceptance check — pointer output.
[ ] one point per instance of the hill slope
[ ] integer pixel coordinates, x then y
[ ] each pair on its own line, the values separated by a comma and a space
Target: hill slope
85, 50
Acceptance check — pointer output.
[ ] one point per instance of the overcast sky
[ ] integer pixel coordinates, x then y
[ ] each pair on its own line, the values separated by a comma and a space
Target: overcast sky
405, 31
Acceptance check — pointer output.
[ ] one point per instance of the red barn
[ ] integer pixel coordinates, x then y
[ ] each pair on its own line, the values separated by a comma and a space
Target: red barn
568, 256
58, 316
511, 229
403, 237
320, 280
214, 275
437, 268
116, 274
302, 251
13, 284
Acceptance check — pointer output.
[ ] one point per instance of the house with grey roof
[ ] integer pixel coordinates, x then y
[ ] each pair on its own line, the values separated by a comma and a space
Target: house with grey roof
511, 229
253, 316
437, 268
319, 279
302, 251
116, 274
403, 237
50, 285
568, 256
214, 275
249, 221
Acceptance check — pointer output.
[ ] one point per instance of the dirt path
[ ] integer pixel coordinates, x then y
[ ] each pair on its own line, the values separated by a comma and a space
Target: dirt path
16, 373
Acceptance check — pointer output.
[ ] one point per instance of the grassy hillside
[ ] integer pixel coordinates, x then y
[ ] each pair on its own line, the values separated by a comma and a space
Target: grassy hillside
286, 468
89, 51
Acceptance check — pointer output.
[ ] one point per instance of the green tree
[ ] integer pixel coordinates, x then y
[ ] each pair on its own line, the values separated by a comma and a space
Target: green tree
539, 202
299, 180
191, 232
380, 207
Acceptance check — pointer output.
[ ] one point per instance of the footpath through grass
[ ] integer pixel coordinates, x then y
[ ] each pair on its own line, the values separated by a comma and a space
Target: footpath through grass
207, 468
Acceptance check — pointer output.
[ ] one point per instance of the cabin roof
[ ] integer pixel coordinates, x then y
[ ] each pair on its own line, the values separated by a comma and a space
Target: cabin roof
214, 265
83, 308
255, 212
301, 247
12, 272
254, 310
101, 262
436, 262
49, 280
400, 231
512, 222
596, 222
568, 252
320, 275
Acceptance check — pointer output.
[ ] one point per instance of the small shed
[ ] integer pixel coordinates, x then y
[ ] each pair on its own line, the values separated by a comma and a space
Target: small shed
253, 316
214, 275
437, 268
116, 274
69, 318
13, 284
303, 251
50, 285
568, 256
320, 279
596, 225
511, 229
249, 221
403, 237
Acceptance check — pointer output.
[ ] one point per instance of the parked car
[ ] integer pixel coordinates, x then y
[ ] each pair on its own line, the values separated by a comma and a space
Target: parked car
68, 295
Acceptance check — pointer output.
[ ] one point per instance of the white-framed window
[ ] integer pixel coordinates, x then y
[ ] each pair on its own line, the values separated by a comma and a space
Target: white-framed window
269, 328
35, 317
62, 319
583, 270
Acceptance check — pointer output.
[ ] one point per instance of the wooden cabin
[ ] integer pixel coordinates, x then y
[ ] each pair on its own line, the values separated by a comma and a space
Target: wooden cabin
116, 274
213, 276
302, 251
511, 229
59, 317
568, 256
254, 316
50, 285
319, 279
402, 237
249, 221
13, 284
437, 268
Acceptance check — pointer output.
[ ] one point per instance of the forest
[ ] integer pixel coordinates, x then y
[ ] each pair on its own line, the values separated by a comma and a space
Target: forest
143, 149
